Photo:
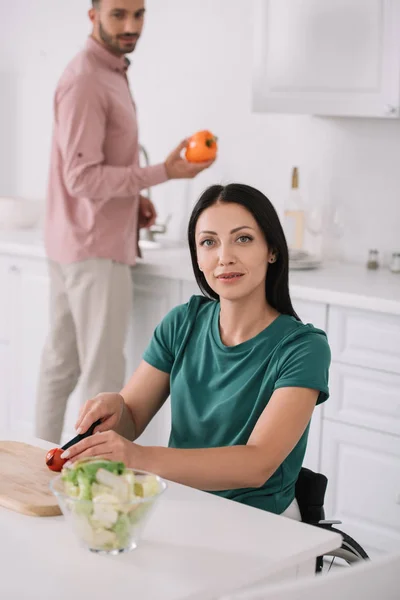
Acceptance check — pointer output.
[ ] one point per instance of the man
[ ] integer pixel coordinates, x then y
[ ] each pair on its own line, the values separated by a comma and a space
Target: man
94, 210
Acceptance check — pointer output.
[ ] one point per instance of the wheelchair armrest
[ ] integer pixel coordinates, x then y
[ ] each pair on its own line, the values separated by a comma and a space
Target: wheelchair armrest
310, 495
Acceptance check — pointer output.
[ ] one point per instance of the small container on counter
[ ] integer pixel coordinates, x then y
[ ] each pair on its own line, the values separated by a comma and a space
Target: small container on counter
395, 262
373, 261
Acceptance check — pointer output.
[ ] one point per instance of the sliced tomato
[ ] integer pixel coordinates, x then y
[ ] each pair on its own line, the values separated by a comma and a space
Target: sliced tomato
54, 460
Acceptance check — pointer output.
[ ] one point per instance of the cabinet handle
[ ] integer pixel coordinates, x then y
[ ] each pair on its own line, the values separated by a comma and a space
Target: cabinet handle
14, 269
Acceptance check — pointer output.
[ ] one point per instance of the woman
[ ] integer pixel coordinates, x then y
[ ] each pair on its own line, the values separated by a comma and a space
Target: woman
244, 373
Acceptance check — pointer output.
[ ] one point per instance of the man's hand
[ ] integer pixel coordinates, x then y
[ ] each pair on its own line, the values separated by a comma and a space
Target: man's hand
147, 212
179, 168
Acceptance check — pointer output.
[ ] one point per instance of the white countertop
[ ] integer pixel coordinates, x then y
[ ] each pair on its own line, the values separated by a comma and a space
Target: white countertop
194, 544
334, 283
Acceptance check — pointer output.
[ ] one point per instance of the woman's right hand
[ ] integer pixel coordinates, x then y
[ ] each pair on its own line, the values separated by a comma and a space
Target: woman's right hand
108, 407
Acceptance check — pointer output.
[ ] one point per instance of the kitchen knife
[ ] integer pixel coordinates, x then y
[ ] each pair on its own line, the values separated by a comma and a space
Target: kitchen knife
81, 436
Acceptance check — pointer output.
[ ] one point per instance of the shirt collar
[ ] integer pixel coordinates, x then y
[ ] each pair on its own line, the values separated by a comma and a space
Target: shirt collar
107, 58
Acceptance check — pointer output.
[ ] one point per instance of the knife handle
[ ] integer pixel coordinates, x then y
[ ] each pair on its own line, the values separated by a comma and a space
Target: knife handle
81, 436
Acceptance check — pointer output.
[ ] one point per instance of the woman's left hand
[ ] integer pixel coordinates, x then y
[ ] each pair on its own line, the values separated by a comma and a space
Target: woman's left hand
107, 444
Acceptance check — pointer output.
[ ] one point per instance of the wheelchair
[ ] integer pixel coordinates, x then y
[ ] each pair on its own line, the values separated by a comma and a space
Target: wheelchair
310, 495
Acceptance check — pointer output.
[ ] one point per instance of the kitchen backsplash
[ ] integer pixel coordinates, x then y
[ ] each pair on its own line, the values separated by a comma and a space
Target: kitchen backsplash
191, 71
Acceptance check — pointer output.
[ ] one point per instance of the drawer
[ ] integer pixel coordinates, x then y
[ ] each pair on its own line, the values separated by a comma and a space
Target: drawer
365, 338
311, 312
364, 397
363, 470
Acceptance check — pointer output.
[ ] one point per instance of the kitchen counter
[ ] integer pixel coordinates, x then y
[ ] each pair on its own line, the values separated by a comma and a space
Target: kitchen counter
194, 545
340, 284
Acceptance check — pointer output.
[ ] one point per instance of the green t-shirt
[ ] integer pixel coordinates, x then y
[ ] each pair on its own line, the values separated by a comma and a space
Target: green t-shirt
219, 392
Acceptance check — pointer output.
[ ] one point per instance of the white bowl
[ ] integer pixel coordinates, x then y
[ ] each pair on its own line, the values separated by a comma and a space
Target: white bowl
19, 213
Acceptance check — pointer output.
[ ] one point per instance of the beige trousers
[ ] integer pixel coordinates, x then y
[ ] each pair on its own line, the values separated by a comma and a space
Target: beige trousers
90, 304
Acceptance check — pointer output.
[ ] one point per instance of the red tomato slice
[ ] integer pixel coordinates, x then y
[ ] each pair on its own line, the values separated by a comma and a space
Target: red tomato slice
54, 460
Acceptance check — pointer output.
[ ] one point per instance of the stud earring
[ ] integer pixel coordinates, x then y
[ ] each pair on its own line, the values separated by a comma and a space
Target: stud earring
272, 259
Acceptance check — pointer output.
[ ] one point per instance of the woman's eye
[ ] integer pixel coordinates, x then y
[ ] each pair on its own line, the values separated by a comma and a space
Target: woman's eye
243, 239
207, 243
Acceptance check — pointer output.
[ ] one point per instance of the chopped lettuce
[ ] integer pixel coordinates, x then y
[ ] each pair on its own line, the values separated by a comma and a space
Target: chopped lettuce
122, 530
89, 468
71, 489
109, 517
85, 491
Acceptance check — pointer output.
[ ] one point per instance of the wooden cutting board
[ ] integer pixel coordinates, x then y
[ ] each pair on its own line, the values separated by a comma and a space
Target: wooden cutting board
25, 479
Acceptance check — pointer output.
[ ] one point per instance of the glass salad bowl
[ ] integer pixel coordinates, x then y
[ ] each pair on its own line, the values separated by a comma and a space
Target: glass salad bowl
106, 503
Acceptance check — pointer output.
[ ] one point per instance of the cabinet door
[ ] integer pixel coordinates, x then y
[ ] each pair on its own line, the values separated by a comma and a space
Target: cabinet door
327, 57
29, 321
153, 298
363, 469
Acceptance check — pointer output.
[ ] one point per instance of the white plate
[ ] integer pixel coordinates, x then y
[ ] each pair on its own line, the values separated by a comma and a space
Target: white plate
298, 265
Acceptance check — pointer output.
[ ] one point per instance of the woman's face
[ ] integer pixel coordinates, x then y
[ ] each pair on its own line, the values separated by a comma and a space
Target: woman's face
231, 250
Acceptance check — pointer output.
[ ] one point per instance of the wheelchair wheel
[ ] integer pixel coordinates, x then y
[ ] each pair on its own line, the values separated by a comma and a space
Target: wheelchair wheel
349, 553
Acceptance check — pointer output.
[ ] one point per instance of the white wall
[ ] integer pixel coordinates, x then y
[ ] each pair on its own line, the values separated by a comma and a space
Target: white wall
191, 70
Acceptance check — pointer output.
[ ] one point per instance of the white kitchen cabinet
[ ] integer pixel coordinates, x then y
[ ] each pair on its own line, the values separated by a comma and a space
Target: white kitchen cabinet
153, 298
363, 470
327, 57
365, 398
365, 338
311, 312
27, 311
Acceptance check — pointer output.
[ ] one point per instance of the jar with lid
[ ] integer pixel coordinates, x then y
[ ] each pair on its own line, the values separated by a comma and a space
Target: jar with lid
373, 261
395, 262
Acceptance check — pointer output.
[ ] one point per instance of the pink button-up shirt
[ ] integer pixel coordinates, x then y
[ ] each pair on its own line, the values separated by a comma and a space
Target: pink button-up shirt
95, 177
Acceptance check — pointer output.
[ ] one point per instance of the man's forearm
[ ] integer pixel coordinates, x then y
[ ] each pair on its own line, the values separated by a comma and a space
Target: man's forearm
106, 181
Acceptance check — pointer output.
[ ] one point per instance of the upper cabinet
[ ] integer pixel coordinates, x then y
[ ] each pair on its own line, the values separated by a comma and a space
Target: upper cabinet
327, 57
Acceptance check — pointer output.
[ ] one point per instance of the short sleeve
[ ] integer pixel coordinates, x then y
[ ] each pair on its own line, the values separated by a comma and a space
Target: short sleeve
305, 362
161, 351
